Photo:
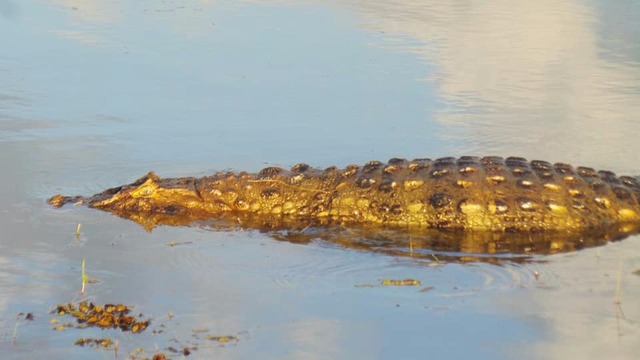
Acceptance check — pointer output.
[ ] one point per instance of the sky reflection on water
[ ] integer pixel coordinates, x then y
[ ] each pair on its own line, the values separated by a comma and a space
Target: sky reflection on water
95, 94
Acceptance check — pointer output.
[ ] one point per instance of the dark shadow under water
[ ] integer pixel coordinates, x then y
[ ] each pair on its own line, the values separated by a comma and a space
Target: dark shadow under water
420, 243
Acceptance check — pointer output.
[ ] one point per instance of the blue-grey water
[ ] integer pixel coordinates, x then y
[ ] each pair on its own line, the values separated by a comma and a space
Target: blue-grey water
95, 94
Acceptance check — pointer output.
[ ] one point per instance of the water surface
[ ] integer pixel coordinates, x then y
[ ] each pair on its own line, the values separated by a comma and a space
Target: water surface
95, 95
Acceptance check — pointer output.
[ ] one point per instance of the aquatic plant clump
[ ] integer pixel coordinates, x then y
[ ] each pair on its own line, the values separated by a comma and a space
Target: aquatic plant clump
104, 316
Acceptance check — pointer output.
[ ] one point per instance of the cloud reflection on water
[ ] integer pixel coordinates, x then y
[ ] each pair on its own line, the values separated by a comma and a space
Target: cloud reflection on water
538, 79
528, 78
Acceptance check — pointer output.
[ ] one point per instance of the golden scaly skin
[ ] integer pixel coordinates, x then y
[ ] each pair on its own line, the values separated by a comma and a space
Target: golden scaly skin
472, 194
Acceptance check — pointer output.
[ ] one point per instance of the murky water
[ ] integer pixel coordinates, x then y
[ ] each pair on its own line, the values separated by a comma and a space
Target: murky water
95, 94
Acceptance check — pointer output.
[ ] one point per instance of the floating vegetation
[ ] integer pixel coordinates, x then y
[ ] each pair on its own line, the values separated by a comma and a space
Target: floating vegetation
222, 339
175, 243
117, 316
104, 316
394, 282
405, 282
64, 326
103, 343
85, 278
637, 272
28, 316
186, 351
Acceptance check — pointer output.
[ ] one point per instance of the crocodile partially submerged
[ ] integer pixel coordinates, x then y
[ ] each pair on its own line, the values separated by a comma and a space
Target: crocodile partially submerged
469, 194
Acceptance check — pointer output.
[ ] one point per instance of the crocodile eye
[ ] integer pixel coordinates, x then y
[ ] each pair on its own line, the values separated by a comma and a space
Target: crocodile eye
171, 209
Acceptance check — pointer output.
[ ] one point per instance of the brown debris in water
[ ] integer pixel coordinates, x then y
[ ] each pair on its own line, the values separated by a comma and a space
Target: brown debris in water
185, 351
114, 316
395, 282
405, 282
222, 339
175, 243
27, 316
104, 343
104, 316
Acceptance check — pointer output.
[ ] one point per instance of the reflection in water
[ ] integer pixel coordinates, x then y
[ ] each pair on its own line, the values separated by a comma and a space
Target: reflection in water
82, 37
315, 339
8, 9
546, 79
538, 79
526, 78
592, 311
415, 242
92, 12
434, 246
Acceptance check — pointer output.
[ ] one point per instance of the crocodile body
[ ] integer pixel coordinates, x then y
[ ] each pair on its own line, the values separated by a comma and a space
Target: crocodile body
489, 194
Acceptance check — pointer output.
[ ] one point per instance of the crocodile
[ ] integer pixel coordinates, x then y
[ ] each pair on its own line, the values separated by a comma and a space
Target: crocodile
470, 194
